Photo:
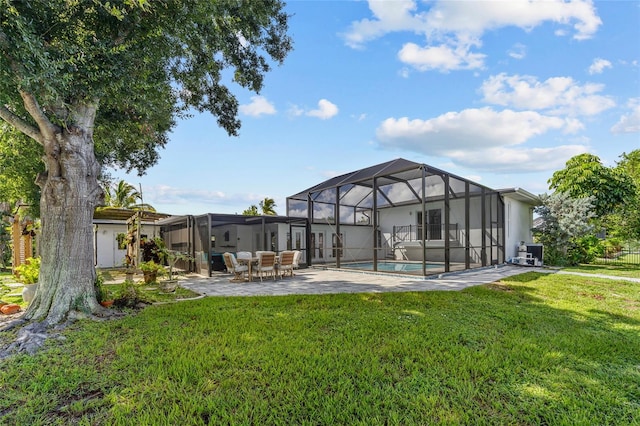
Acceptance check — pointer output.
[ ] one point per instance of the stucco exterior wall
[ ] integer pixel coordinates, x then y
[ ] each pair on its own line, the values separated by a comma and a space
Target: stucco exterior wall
518, 224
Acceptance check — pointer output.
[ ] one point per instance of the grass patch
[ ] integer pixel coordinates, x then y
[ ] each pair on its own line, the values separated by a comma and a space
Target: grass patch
630, 271
531, 349
10, 293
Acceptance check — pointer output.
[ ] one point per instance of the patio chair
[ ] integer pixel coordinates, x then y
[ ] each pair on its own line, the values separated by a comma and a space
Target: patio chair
296, 260
266, 264
286, 263
234, 267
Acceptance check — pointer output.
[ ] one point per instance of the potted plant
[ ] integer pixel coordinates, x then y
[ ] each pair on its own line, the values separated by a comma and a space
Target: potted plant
151, 270
171, 257
28, 274
104, 296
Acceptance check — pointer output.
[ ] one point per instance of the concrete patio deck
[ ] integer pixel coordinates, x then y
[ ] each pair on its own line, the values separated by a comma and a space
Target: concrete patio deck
319, 281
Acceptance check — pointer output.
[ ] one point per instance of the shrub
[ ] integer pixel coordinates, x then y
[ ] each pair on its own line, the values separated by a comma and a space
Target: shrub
612, 246
584, 250
129, 295
152, 249
29, 272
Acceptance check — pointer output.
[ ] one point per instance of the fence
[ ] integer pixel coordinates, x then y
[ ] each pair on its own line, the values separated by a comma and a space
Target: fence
627, 253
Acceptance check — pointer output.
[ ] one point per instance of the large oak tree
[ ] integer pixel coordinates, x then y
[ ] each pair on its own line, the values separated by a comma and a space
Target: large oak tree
98, 83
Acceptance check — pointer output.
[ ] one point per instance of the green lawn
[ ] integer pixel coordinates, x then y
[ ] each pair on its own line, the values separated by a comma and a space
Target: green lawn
631, 271
532, 349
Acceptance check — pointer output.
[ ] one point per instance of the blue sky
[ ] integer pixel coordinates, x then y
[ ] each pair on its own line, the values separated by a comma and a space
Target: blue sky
500, 92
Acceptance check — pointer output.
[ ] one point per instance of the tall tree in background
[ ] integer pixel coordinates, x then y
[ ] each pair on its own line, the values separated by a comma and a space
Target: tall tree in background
125, 196
251, 211
268, 206
624, 223
100, 83
564, 220
586, 176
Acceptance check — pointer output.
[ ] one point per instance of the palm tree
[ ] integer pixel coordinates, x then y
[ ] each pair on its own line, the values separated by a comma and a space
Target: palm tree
251, 211
268, 206
125, 196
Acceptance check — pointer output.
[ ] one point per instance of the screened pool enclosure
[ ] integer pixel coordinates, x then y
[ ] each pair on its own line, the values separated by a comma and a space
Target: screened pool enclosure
206, 237
402, 216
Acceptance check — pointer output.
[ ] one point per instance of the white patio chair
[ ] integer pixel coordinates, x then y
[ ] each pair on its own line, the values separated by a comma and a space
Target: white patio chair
234, 267
296, 259
285, 266
266, 264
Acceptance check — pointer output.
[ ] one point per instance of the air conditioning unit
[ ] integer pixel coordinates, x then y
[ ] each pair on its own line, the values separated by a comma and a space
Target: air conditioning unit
535, 251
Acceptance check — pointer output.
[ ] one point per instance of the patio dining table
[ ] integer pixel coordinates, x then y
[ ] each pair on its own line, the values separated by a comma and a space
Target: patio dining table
250, 262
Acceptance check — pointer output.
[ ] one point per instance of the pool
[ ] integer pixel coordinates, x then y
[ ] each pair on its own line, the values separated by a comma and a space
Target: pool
392, 266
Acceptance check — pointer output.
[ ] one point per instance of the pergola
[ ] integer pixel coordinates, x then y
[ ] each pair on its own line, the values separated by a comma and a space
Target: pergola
471, 222
134, 220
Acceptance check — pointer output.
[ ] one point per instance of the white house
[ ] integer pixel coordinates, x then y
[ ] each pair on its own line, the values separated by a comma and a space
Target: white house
398, 216
108, 224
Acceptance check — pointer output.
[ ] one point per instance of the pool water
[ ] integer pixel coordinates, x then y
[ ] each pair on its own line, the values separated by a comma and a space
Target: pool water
391, 266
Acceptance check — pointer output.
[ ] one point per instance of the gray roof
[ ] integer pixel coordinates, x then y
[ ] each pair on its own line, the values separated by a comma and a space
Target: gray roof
398, 181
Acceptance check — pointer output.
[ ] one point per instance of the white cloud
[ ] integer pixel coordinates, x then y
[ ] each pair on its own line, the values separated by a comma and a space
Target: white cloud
295, 111
598, 66
404, 72
259, 106
629, 123
556, 95
518, 160
518, 51
443, 58
165, 194
451, 28
325, 110
483, 139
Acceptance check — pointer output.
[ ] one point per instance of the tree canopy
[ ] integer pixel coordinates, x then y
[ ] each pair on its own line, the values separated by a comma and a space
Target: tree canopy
143, 63
252, 210
564, 220
98, 83
123, 195
585, 176
19, 165
267, 208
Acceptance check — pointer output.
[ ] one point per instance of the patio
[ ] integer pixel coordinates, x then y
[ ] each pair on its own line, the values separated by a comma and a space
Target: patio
327, 281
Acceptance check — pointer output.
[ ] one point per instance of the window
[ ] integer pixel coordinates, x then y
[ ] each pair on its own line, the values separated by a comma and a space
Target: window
320, 245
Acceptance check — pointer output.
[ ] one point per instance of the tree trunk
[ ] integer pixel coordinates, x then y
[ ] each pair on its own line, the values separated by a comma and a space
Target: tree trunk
70, 193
